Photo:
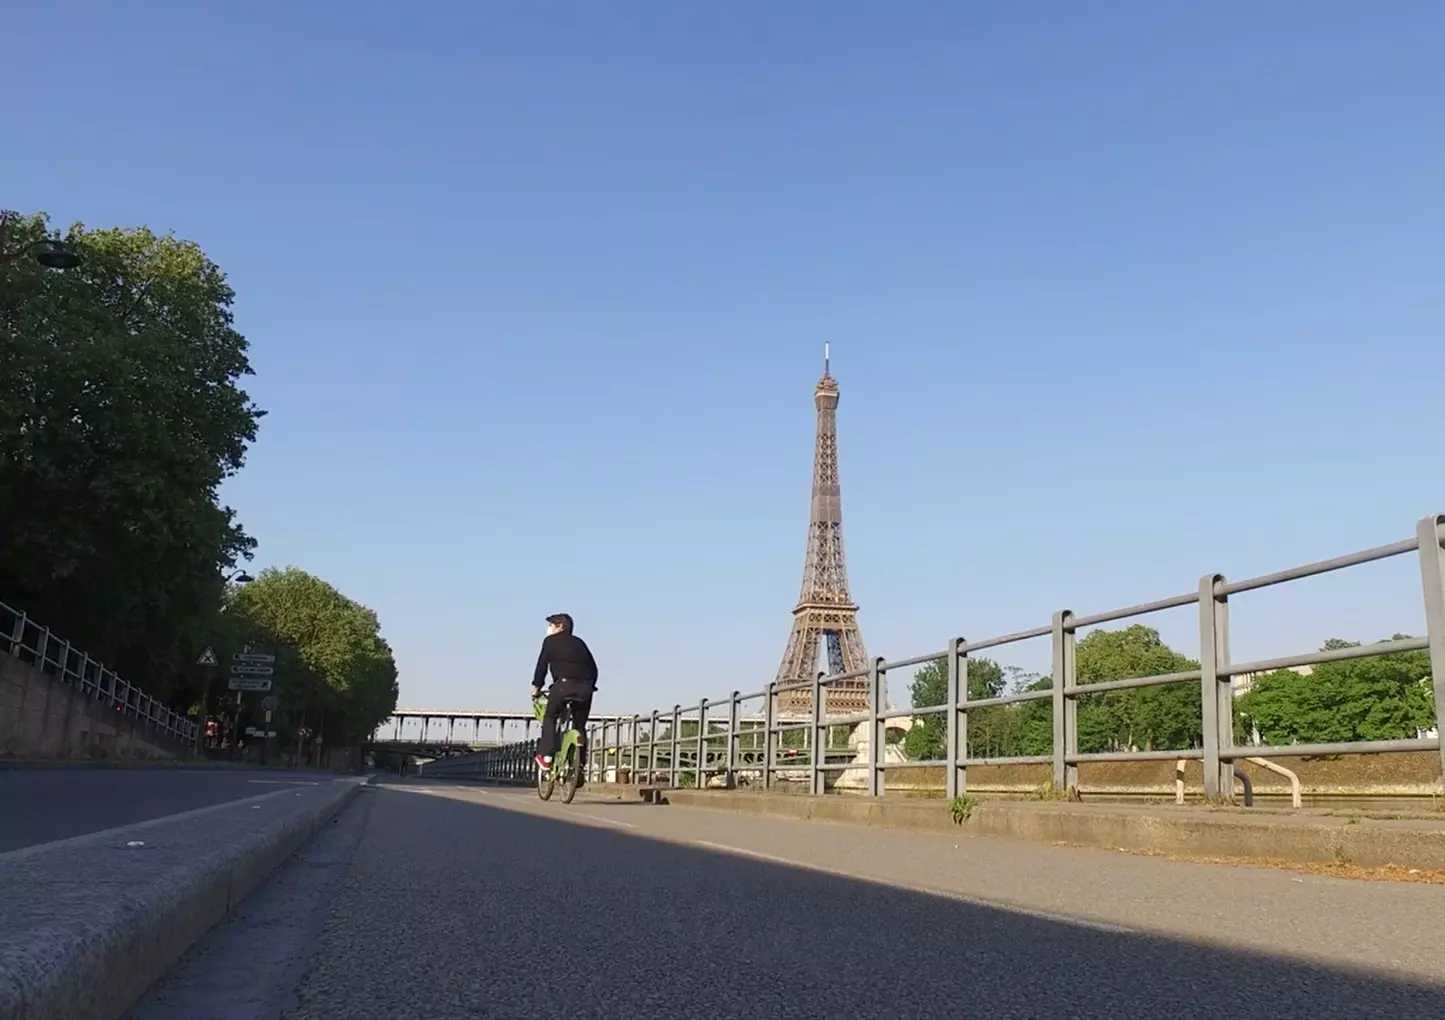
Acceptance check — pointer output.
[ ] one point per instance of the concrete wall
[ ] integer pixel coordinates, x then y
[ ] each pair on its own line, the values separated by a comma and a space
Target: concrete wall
42, 717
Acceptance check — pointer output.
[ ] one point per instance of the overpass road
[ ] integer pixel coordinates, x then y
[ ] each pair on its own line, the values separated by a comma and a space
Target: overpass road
449, 902
41, 805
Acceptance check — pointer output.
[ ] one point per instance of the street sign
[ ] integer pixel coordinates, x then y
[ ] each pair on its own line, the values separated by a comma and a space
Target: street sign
208, 657
247, 655
250, 669
249, 683
270, 702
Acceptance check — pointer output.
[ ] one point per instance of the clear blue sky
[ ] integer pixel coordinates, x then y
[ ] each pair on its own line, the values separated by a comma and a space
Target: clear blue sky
1119, 294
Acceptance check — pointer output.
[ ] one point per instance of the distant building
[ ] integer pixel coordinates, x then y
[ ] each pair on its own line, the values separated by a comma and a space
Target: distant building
1244, 682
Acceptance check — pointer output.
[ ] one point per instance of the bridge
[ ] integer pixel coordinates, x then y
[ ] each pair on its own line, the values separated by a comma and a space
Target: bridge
449, 730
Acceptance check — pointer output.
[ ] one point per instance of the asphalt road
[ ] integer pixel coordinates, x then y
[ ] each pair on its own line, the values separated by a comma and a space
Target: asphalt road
42, 805
449, 902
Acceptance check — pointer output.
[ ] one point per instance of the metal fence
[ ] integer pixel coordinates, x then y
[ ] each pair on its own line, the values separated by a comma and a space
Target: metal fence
723, 741
36, 646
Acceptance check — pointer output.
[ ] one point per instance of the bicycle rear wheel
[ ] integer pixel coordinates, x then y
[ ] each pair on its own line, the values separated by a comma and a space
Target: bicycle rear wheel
571, 775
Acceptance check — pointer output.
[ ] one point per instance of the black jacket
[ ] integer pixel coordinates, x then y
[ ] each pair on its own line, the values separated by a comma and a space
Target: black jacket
568, 657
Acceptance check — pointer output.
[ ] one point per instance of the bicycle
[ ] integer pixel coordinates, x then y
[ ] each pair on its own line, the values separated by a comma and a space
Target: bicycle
566, 763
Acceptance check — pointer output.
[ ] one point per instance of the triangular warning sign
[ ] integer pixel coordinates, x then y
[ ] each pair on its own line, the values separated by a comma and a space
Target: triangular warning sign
208, 658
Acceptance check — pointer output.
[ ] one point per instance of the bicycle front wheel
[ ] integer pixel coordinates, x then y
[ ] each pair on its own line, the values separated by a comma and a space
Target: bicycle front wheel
546, 782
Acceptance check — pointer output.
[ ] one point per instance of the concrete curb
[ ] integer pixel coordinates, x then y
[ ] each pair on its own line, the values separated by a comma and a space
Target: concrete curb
1414, 843
88, 924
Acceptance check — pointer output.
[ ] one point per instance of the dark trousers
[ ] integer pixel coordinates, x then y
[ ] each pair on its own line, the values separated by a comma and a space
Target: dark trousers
579, 692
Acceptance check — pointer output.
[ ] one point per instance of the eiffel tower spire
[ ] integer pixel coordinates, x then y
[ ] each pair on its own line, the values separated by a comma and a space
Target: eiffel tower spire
825, 613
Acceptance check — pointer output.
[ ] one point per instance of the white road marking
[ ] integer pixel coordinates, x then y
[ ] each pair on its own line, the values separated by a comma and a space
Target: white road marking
599, 818
961, 897
283, 782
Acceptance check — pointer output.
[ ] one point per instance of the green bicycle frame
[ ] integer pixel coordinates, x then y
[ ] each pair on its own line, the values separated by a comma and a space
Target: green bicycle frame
565, 746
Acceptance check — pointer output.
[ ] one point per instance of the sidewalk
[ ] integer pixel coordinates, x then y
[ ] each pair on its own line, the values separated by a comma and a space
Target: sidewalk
1254, 835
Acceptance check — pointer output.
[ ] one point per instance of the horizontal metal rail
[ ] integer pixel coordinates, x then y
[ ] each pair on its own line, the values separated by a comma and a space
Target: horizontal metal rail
715, 743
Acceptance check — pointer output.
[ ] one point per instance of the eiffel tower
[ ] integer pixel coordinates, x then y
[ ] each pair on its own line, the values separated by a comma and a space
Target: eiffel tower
825, 609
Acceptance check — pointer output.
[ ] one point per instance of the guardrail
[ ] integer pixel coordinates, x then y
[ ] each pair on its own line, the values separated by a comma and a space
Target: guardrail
36, 646
753, 744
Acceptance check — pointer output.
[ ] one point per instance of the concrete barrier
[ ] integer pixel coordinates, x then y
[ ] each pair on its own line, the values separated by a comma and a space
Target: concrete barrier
88, 924
1230, 834
44, 717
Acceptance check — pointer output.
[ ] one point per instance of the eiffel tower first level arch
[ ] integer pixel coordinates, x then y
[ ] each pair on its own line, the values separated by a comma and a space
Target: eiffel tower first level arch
825, 615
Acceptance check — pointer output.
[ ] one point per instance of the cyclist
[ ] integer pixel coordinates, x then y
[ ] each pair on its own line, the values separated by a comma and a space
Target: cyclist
574, 679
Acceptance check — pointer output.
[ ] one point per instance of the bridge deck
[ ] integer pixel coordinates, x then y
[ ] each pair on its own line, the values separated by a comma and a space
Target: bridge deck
488, 714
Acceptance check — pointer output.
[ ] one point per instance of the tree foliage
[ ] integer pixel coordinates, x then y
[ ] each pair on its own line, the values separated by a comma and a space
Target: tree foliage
335, 671
120, 416
926, 740
1384, 697
1149, 718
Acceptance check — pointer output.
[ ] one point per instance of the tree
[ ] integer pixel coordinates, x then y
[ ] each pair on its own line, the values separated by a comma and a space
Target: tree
1383, 697
120, 416
1150, 717
335, 672
929, 689
1033, 721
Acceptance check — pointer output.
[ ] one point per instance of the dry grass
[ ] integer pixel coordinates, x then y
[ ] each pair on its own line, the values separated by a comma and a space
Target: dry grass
1389, 873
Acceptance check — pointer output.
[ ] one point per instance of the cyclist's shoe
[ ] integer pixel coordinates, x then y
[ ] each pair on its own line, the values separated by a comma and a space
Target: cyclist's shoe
543, 761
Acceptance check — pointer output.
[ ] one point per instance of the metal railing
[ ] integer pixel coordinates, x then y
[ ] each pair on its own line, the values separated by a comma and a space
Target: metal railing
36, 646
632, 749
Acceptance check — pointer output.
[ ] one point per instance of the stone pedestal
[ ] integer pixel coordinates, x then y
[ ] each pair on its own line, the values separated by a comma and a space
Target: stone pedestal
856, 779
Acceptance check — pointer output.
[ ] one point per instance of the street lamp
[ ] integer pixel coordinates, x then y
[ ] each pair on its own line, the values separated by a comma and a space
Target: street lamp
238, 577
50, 254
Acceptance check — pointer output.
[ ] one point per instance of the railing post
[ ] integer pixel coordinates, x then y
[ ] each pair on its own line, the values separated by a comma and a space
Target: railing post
674, 772
1215, 687
820, 737
652, 750
769, 721
1432, 577
17, 635
1066, 709
877, 728
701, 744
41, 645
632, 740
735, 737
955, 733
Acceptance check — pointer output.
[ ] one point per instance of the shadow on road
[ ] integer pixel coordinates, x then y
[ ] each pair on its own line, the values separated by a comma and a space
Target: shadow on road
663, 930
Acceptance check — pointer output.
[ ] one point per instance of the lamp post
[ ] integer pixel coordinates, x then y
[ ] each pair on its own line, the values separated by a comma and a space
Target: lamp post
49, 253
